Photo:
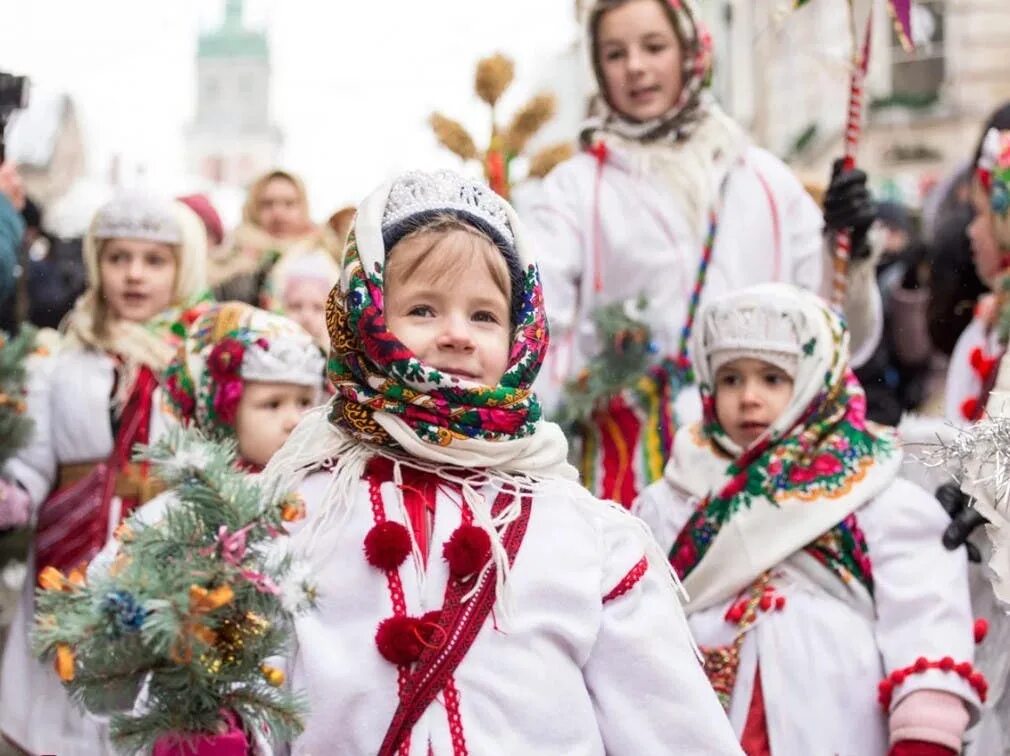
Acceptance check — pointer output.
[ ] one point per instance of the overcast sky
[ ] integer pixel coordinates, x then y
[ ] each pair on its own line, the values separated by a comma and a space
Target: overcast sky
353, 82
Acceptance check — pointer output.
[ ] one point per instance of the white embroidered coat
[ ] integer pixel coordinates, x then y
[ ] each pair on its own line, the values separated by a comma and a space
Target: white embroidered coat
596, 657
68, 398
769, 230
823, 654
963, 381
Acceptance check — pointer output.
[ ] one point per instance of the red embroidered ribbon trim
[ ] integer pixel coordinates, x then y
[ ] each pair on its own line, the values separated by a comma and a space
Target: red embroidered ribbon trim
886, 687
629, 581
455, 721
395, 587
462, 621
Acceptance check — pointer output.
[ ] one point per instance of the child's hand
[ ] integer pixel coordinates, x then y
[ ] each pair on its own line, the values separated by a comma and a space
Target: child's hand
964, 520
848, 204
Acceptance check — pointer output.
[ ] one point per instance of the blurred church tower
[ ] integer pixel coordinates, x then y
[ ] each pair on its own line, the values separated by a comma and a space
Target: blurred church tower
232, 139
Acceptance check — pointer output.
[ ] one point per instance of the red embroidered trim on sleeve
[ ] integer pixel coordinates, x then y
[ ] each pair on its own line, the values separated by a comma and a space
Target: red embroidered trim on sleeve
628, 581
451, 694
975, 679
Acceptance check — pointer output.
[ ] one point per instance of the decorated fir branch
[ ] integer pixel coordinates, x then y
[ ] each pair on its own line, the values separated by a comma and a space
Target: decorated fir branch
627, 353
15, 424
191, 610
493, 76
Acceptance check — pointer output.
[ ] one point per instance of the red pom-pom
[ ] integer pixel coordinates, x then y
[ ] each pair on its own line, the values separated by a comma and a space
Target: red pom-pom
946, 664
981, 629
976, 358
898, 676
970, 409
885, 686
977, 680
387, 545
780, 603
964, 669
467, 550
400, 640
921, 664
765, 603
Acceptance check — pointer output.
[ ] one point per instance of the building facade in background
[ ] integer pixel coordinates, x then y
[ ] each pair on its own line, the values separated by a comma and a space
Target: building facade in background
784, 75
232, 138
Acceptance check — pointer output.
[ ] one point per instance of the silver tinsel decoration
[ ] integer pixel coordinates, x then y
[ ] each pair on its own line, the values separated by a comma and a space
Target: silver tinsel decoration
978, 458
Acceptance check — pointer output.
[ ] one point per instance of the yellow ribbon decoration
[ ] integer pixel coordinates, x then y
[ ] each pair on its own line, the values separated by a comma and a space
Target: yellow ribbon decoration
64, 662
51, 579
201, 601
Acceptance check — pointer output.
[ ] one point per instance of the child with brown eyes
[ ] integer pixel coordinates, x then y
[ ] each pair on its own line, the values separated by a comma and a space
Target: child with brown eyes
831, 618
472, 596
246, 374
91, 400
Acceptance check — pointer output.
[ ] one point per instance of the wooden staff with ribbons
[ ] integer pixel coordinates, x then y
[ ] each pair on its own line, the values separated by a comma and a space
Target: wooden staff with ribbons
900, 11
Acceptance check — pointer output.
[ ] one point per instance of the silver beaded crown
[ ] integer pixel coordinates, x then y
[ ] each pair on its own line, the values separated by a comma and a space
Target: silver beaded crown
418, 192
137, 216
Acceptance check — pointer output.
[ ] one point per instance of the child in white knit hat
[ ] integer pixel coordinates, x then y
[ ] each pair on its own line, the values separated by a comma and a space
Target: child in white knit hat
831, 617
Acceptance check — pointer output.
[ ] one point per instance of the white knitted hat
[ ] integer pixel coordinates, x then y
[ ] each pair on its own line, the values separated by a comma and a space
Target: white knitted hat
137, 216
757, 327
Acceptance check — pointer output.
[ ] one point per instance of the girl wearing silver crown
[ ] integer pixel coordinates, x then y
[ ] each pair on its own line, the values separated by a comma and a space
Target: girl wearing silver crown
473, 598
831, 617
92, 401
671, 202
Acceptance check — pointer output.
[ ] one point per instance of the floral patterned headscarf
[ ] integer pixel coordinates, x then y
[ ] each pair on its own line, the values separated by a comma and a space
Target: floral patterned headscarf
229, 344
993, 172
381, 386
802, 480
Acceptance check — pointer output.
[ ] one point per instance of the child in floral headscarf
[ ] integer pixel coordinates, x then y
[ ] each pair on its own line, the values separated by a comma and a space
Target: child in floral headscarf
670, 202
248, 374
831, 617
472, 596
298, 287
973, 363
91, 401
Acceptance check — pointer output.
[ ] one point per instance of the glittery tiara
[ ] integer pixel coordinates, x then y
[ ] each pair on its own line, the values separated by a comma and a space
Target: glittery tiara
419, 194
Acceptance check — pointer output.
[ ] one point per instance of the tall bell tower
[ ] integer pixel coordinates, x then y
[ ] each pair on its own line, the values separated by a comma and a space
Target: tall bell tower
232, 138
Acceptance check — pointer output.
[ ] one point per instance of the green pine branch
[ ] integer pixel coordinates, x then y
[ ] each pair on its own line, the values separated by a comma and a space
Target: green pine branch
152, 619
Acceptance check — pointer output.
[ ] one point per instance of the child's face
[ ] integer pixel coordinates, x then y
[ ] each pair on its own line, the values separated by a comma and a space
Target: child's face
749, 396
459, 326
137, 278
640, 59
305, 303
267, 413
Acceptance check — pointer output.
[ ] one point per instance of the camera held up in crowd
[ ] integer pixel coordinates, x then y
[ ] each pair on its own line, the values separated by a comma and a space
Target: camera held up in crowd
13, 96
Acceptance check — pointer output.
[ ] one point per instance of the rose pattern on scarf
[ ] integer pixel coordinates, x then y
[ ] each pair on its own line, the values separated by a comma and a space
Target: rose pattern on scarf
829, 449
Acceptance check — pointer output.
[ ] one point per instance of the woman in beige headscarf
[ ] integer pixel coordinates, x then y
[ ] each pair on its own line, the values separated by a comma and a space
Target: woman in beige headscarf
275, 218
